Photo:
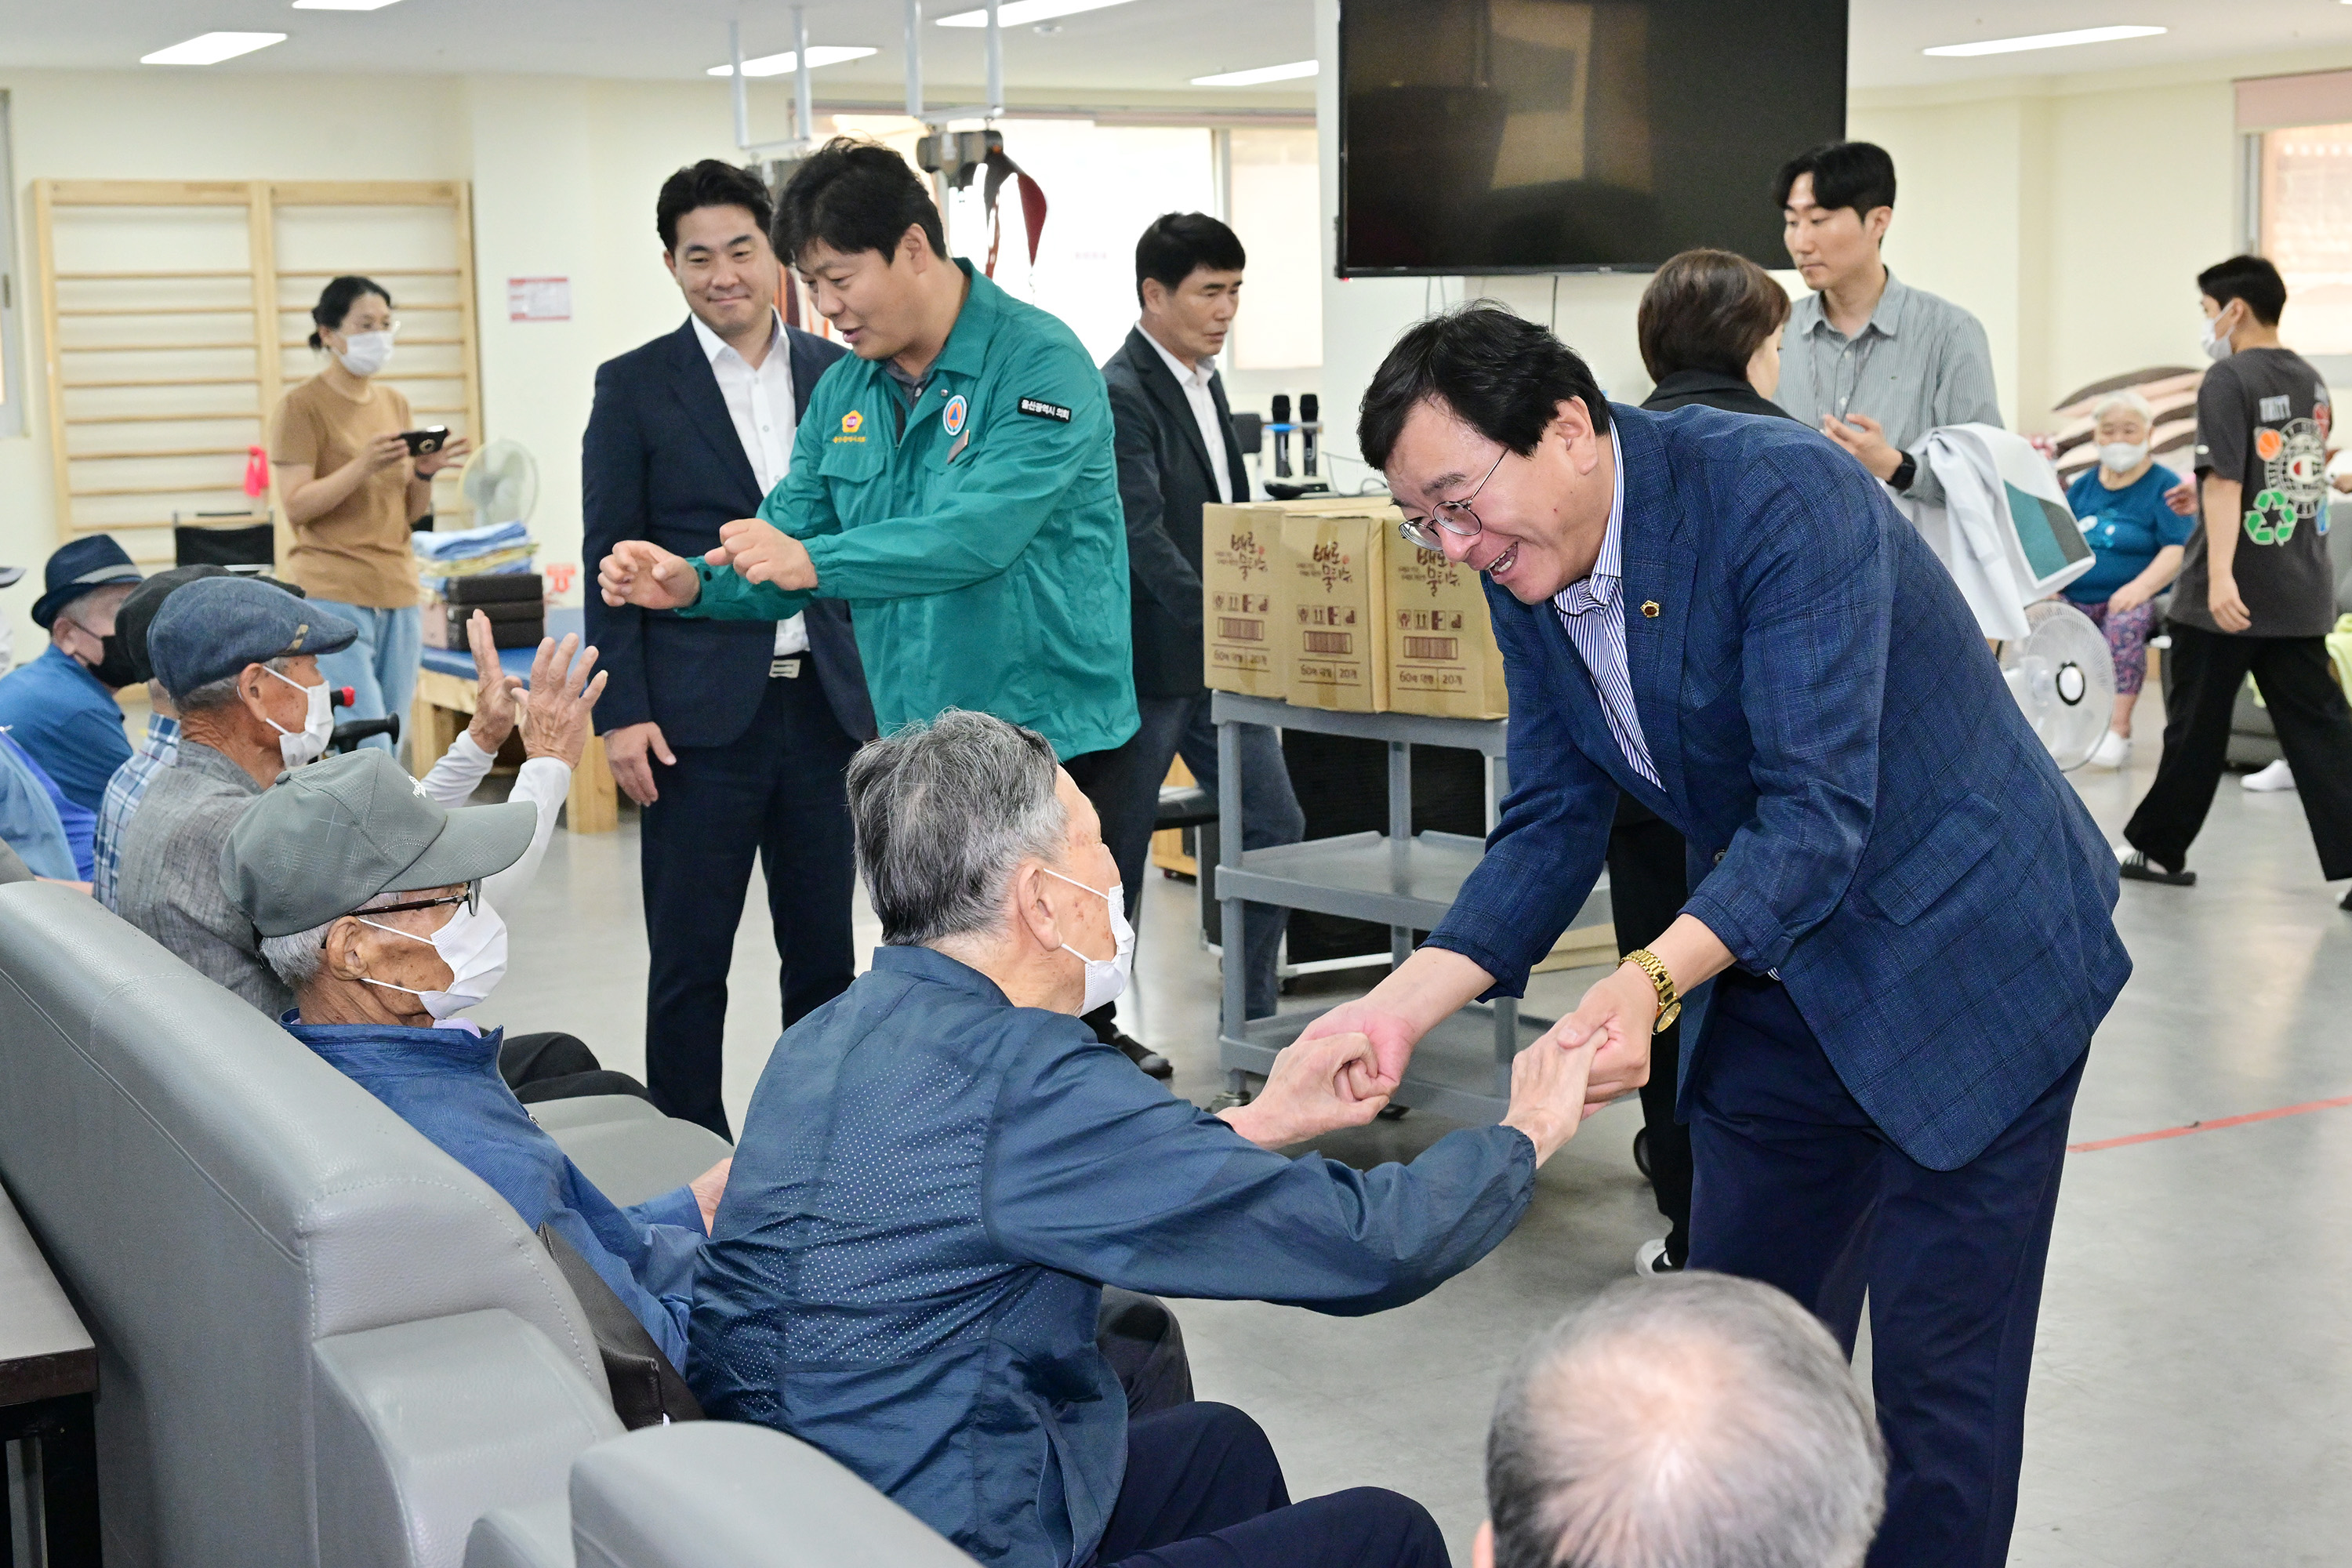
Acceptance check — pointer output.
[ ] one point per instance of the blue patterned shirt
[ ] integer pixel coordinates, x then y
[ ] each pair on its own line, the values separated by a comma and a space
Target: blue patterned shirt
1592, 609
159, 748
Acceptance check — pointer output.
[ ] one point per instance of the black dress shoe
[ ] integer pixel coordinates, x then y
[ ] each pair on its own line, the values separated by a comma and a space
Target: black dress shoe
2135, 867
1153, 1064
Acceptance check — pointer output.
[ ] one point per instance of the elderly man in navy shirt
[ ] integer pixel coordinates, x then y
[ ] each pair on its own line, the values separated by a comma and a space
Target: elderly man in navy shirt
942, 1166
368, 898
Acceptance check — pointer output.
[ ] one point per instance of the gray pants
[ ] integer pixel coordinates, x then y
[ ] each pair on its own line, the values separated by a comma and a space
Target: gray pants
1173, 726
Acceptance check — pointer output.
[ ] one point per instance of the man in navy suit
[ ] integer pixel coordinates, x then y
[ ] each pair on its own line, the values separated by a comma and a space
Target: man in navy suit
734, 736
1898, 938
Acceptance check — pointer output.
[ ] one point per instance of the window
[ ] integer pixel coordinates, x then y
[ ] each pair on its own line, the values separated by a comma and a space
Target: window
2306, 227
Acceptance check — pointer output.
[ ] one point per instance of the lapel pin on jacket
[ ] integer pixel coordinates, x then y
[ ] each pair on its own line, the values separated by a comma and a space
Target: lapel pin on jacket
1650, 608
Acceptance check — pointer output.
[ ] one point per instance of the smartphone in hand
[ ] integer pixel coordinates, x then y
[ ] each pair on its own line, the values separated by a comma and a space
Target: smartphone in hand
431, 438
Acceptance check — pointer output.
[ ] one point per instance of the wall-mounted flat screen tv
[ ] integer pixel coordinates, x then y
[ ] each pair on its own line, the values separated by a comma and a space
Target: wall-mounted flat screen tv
1489, 136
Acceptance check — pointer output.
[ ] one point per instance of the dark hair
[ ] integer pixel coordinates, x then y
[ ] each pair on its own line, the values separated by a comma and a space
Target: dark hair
710, 184
1499, 373
1857, 174
1176, 245
1707, 310
855, 196
2248, 278
335, 303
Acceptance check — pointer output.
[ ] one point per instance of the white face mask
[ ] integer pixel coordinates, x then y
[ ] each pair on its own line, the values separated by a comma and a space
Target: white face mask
366, 354
2215, 343
473, 944
2122, 457
1106, 978
302, 747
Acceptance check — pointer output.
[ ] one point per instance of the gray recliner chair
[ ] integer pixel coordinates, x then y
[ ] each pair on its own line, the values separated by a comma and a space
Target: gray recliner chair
322, 1340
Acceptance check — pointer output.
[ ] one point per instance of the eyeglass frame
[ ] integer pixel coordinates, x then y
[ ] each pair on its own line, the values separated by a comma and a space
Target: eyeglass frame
471, 898
1410, 528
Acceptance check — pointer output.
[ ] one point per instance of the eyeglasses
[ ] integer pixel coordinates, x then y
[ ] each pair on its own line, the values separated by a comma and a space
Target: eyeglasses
1453, 517
471, 898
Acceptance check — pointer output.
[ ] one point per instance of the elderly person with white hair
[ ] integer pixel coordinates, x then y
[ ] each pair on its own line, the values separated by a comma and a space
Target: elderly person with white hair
944, 1166
2136, 540
1698, 1420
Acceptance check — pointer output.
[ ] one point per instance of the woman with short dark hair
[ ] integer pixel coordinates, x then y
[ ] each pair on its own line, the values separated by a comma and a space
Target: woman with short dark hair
1709, 325
352, 490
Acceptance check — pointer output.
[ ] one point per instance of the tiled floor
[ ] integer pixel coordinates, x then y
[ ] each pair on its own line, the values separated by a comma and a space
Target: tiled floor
2192, 1399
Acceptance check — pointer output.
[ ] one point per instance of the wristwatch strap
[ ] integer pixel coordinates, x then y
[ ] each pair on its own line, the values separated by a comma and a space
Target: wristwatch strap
1905, 472
1670, 1005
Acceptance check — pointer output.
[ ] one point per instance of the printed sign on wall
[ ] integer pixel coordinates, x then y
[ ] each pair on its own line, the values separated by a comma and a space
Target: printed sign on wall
539, 299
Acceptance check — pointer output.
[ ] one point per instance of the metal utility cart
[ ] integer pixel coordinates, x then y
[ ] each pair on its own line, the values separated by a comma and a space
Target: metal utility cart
1400, 879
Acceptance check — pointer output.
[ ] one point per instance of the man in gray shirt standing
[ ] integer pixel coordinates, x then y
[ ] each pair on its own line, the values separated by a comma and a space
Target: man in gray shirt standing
240, 659
1872, 363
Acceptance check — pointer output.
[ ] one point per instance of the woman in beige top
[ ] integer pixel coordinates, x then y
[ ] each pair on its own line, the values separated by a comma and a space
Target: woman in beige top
351, 493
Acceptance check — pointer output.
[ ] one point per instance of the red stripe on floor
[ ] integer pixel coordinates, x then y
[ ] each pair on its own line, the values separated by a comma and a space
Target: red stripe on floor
2309, 1105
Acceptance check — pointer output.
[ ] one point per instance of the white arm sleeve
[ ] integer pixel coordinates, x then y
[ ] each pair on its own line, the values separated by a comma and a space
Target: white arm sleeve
543, 782
451, 783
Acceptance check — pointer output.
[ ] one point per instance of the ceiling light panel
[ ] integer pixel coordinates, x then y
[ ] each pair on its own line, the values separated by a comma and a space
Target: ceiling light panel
342, 4
1018, 13
2042, 41
820, 55
211, 48
1291, 72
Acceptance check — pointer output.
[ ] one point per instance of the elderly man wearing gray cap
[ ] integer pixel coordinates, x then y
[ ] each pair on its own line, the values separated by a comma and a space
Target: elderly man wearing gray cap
236, 658
368, 898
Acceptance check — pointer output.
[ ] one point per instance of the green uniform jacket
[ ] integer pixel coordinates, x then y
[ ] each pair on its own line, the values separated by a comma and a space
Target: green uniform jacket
983, 552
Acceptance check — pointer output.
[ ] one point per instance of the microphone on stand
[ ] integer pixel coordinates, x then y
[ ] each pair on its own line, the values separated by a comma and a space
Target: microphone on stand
1281, 428
1309, 410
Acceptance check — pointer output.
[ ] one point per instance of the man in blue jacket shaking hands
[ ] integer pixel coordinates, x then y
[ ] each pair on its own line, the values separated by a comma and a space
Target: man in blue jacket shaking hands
1899, 937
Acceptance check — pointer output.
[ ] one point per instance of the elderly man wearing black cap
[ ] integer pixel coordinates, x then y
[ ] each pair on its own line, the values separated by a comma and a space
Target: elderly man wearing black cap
241, 661
60, 706
368, 897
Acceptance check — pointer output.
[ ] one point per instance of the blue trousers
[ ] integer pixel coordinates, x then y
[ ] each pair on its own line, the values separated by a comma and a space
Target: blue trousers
1204, 1491
1795, 1185
380, 666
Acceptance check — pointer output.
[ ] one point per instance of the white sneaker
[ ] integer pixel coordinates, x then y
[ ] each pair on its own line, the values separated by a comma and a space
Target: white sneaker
2111, 751
2275, 777
1650, 1260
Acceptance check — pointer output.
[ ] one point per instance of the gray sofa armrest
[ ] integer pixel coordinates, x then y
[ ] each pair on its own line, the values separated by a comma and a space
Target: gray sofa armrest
707, 1492
536, 1535
422, 1427
633, 1160
586, 1110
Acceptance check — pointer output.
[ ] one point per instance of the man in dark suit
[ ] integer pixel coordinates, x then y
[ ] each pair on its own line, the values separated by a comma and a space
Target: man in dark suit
733, 736
1899, 935
1177, 453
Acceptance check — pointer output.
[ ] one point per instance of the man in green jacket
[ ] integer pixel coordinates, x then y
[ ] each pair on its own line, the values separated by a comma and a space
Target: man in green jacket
954, 479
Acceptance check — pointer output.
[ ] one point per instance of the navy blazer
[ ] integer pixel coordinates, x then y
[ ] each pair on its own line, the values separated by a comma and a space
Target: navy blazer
1165, 477
1869, 816
661, 461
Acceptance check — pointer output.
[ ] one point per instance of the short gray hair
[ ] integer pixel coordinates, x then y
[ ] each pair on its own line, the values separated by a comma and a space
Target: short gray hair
1700, 1421
294, 958
945, 812
222, 692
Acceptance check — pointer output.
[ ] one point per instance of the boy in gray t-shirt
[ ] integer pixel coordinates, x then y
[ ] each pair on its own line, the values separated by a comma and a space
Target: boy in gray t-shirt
2256, 592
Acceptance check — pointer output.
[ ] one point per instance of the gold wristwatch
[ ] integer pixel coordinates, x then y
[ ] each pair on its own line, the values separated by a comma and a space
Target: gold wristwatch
1670, 1002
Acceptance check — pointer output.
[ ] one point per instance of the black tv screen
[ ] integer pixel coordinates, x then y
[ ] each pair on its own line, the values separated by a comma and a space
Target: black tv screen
1487, 136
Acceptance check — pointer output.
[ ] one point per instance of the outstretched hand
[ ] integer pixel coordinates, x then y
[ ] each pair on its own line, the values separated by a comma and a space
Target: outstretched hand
1616, 1019
643, 573
762, 553
1318, 1085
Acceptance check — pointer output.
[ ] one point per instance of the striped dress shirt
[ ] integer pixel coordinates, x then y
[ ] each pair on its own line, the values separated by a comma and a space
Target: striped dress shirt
1592, 610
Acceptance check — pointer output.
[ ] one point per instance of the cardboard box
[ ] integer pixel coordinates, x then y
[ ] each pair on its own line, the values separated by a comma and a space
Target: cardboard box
1441, 658
1331, 601
1239, 642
